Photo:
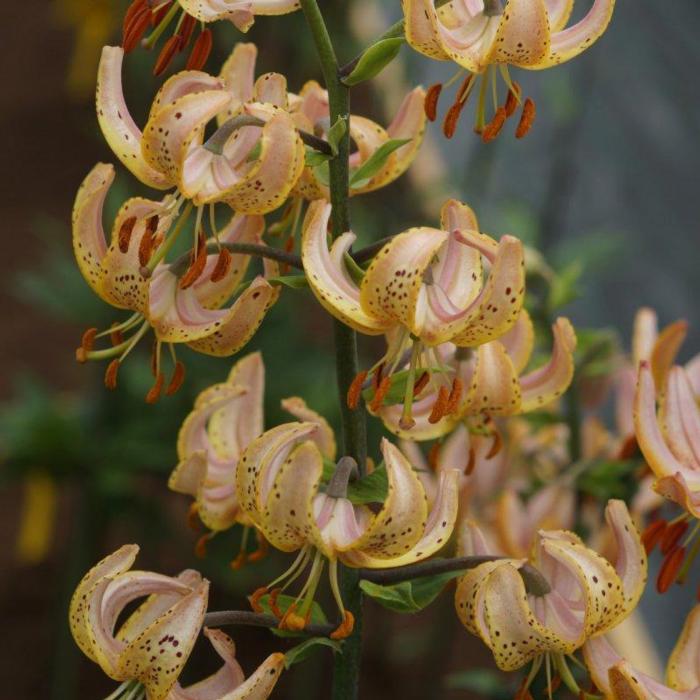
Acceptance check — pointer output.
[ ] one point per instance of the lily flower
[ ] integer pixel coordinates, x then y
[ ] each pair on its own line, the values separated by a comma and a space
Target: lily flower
494, 380
180, 306
279, 485
310, 112
253, 168
588, 594
240, 12
153, 644
619, 680
424, 288
484, 37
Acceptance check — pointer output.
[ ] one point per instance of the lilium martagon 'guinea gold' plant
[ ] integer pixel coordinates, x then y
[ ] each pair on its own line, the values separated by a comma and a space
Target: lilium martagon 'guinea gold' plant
486, 37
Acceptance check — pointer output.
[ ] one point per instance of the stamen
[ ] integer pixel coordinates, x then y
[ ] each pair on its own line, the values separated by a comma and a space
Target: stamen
465, 88
380, 394
154, 392
223, 265
150, 41
438, 410
471, 462
344, 630
124, 236
111, 374
115, 334
88, 340
421, 383
177, 379
200, 549
292, 621
355, 390
135, 8
431, 101
185, 32
146, 245
200, 51
198, 261
496, 446
527, 118
166, 55
455, 396
158, 14
193, 520
239, 561
493, 128
672, 536
135, 29
377, 376
653, 533
513, 100
261, 551
669, 569
434, 455
449, 125
272, 602
255, 596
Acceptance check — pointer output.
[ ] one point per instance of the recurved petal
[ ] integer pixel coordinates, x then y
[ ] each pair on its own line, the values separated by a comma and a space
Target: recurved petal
600, 657
89, 243
328, 278
457, 216
403, 517
392, 284
494, 389
272, 88
467, 590
683, 670
550, 381
559, 12
119, 129
238, 74
523, 37
325, 438
644, 335
156, 657
519, 341
287, 519
498, 306
241, 13
420, 20
675, 488
261, 684
112, 565
665, 350
572, 41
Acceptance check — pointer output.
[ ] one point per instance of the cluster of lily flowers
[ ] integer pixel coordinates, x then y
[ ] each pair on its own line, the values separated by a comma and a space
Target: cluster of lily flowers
457, 370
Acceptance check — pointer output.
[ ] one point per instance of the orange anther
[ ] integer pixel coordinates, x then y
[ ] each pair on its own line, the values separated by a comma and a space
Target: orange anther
449, 125
88, 339
377, 376
200, 549
135, 28
438, 410
115, 335
434, 455
154, 392
111, 374
493, 128
200, 51
292, 621
669, 569
355, 389
496, 445
177, 379
652, 534
420, 383
672, 535
431, 101
527, 118
186, 30
455, 396
261, 551
222, 266
471, 462
166, 55
193, 518
198, 261
146, 244
462, 93
124, 235
255, 596
135, 8
275, 609
239, 562
379, 394
512, 100
345, 628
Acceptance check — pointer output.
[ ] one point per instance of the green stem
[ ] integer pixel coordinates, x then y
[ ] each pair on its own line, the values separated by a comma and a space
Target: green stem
347, 665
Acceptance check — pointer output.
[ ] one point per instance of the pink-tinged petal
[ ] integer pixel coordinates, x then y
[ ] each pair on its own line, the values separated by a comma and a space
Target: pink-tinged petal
392, 284
187, 82
457, 216
626, 683
177, 128
156, 657
238, 12
468, 587
402, 519
659, 457
630, 558
261, 684
676, 488
515, 529
238, 74
471, 541
420, 20
519, 341
423, 428
665, 351
189, 474
240, 321
330, 281
494, 389
119, 129
644, 335
625, 386
272, 89
89, 243
112, 565
498, 306
339, 524
523, 37
558, 12
683, 670
544, 385
259, 465
287, 518
692, 370
680, 419
242, 228
600, 657
325, 437
570, 42
435, 534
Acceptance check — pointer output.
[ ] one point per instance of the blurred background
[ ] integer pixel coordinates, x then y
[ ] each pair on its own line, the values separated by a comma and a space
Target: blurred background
605, 186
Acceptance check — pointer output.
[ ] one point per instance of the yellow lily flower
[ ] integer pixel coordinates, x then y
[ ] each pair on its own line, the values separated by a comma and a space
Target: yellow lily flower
153, 644
171, 151
241, 13
424, 288
279, 486
179, 308
483, 37
311, 113
588, 594
618, 680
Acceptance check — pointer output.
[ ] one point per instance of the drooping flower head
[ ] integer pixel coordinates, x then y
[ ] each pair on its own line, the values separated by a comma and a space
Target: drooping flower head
587, 594
180, 303
280, 487
485, 37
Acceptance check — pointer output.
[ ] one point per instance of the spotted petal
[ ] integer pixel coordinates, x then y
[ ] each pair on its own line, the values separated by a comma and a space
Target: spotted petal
495, 389
240, 12
238, 74
523, 37
325, 438
119, 129
683, 670
327, 275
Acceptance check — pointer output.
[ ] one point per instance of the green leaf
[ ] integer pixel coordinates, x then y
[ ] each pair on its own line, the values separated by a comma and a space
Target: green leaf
564, 288
305, 649
372, 488
484, 681
336, 133
375, 162
409, 596
354, 270
255, 152
314, 158
291, 281
374, 60
322, 174
607, 479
